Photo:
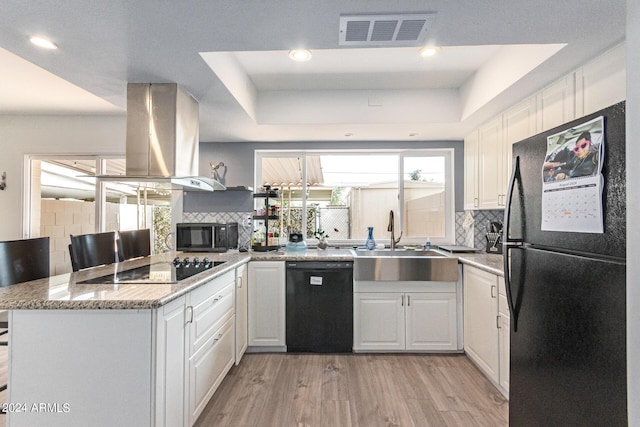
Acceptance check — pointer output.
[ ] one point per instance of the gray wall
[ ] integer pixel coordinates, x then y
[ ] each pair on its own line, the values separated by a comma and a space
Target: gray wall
239, 159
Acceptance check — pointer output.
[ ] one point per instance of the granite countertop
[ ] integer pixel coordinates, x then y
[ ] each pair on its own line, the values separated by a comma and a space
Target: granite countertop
488, 262
65, 292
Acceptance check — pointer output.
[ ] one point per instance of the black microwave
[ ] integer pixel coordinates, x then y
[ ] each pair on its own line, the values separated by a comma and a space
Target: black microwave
201, 237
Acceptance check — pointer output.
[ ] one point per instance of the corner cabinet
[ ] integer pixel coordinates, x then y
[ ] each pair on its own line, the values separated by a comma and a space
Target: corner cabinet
267, 298
487, 325
423, 318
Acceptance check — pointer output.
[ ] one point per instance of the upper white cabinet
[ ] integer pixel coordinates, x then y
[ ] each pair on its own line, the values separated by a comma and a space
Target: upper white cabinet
519, 123
471, 171
556, 104
487, 150
602, 82
267, 300
491, 164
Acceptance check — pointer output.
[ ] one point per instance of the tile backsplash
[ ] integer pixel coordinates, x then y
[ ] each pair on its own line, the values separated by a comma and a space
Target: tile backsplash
242, 218
471, 226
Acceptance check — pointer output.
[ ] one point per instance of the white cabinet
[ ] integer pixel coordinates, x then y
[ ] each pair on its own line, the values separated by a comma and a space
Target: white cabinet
267, 299
487, 156
556, 104
519, 123
170, 373
412, 320
378, 321
486, 325
471, 171
431, 321
242, 332
602, 82
211, 349
504, 334
491, 165
480, 291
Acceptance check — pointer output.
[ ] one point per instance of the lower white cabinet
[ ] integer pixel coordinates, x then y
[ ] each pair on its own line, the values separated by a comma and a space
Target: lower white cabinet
170, 392
504, 336
242, 331
211, 349
208, 367
486, 329
412, 321
267, 299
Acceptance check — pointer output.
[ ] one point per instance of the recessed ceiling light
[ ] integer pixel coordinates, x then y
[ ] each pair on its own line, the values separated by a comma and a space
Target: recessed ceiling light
429, 50
43, 43
300, 55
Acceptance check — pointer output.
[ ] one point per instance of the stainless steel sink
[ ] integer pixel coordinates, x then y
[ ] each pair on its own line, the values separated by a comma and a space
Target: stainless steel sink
404, 265
397, 253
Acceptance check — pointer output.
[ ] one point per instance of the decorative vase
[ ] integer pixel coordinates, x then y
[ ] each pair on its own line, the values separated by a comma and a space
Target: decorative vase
371, 243
323, 243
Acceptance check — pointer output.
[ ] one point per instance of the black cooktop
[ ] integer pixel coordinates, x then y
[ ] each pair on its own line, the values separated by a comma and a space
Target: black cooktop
157, 272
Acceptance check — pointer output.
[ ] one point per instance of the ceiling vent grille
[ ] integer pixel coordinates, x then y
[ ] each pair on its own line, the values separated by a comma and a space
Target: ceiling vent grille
385, 30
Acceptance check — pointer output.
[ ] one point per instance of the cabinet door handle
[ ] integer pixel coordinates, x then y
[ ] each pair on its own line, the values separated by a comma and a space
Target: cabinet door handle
190, 309
493, 291
408, 300
239, 281
402, 300
475, 202
498, 322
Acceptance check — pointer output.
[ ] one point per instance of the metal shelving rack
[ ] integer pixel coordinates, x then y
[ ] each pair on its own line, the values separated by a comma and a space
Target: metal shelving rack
267, 195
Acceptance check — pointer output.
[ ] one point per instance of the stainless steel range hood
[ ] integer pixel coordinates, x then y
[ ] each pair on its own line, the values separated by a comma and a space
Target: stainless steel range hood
162, 139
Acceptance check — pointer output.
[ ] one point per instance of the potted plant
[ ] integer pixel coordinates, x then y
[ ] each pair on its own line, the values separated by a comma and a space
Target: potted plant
322, 236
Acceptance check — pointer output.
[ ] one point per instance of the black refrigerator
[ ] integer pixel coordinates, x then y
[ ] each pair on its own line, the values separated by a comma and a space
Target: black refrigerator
566, 289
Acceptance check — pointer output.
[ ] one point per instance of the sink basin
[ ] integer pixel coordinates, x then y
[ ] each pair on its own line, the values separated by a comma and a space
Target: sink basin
397, 253
404, 265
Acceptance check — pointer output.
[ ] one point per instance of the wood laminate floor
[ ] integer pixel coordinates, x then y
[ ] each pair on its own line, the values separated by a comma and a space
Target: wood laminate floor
283, 389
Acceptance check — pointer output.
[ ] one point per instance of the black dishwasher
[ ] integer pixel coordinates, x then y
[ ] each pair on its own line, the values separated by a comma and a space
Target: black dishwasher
320, 306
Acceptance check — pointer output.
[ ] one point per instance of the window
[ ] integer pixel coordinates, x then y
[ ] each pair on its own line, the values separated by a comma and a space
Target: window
64, 199
345, 192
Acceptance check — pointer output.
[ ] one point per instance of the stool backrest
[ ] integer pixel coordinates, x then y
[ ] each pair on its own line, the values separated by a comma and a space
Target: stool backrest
134, 243
90, 250
24, 260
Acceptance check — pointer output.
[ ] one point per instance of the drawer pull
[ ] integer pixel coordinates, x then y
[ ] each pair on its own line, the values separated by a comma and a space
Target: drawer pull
217, 338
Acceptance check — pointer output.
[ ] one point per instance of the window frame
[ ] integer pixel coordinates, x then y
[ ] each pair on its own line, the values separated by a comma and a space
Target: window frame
447, 153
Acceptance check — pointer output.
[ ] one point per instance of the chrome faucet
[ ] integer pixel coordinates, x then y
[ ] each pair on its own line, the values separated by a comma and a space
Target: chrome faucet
394, 242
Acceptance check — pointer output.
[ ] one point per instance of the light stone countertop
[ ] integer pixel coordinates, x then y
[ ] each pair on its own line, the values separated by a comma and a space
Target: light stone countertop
491, 263
64, 292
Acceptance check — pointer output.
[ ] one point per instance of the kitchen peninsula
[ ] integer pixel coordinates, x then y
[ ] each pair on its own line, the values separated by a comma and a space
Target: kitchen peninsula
86, 352
82, 354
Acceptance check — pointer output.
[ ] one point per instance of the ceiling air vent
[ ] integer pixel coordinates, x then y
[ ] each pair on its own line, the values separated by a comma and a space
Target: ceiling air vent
385, 30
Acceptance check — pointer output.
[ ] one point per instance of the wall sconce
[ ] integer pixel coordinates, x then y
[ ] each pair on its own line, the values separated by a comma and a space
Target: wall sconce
3, 182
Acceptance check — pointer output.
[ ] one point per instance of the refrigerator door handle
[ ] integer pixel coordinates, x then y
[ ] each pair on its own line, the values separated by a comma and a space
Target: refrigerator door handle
509, 243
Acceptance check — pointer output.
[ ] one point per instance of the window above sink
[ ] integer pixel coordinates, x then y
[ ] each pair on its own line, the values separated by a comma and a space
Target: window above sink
343, 192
